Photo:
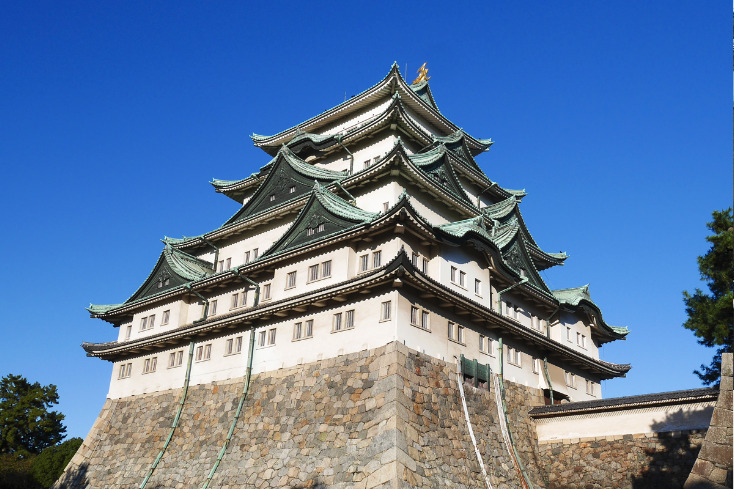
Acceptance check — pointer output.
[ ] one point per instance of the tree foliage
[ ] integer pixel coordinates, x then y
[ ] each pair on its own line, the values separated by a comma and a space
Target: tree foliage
710, 314
47, 467
27, 426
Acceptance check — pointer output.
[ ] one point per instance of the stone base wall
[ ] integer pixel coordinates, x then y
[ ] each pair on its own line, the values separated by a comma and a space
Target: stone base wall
633, 461
387, 417
713, 469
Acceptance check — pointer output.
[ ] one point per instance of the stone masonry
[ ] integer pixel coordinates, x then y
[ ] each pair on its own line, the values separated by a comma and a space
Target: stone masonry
713, 468
387, 417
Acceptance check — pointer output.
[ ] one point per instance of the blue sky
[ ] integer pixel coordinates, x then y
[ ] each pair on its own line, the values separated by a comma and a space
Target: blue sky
615, 117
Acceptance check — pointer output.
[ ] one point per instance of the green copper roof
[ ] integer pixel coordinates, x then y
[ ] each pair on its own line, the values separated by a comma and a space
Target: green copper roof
289, 178
225, 183
440, 170
424, 92
576, 295
324, 215
174, 241
501, 209
460, 228
101, 309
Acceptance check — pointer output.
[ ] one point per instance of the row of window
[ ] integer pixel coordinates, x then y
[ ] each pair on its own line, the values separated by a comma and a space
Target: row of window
226, 263
291, 190
458, 277
514, 311
580, 338
364, 260
315, 272
419, 262
148, 322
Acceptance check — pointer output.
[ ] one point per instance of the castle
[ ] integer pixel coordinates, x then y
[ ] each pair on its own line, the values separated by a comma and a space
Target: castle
323, 335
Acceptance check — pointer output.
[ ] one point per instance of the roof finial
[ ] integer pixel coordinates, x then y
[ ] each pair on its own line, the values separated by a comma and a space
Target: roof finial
422, 74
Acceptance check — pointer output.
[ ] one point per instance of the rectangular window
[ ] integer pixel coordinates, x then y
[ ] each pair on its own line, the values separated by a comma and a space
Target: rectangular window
425, 323
290, 280
363, 263
128, 331
326, 269
578, 339
166, 317
590, 387
254, 254
320, 228
150, 365
485, 345
229, 347
367, 164
453, 274
313, 273
207, 351
261, 338
570, 379
220, 266
536, 365
228, 264
477, 286
583, 341
238, 344
385, 206
243, 298
424, 268
292, 189
534, 321
203, 352
349, 319
271, 336
460, 334
451, 332
272, 198
375, 159
414, 259
266, 292
462, 279
151, 321
385, 311
143, 323
413, 315
376, 259
309, 329
235, 300
568, 333
213, 307
337, 323
175, 359
247, 257
297, 331
126, 370
514, 357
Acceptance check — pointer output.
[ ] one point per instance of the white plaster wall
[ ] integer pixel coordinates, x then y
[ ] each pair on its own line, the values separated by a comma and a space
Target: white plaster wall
373, 199
357, 118
466, 262
577, 325
363, 151
627, 421
177, 317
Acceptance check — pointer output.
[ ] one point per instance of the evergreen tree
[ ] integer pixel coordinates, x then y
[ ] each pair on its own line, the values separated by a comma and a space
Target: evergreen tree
710, 314
26, 424
48, 466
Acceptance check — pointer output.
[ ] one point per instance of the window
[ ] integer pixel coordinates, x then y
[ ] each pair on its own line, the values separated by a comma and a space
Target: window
128, 331
220, 266
337, 322
326, 269
243, 298
376, 259
213, 307
385, 206
320, 228
233, 346
367, 164
460, 334
271, 337
144, 323
309, 329
536, 365
570, 379
203, 352
175, 359
456, 332
290, 280
414, 259
166, 317
385, 310
151, 321
261, 338
313, 273
534, 322
453, 274
375, 159
568, 333
266, 292
424, 268
247, 257
310, 231
514, 357
477, 286
254, 254
485, 345
425, 323
590, 387
298, 331
578, 339
413, 315
363, 263
126, 369
292, 189
462, 279
150, 365
582, 342
349, 319
272, 197
228, 264
235, 300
